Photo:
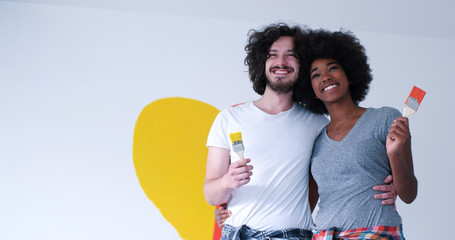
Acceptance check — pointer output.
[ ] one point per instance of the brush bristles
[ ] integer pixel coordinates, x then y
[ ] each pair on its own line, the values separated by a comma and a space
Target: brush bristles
238, 147
412, 103
237, 143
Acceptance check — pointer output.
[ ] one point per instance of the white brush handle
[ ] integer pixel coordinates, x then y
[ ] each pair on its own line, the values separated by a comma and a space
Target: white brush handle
240, 154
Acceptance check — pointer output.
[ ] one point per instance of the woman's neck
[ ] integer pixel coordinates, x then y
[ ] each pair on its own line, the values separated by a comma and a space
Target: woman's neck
341, 112
342, 119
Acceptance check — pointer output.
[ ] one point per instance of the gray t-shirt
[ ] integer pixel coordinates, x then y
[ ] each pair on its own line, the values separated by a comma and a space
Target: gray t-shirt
346, 172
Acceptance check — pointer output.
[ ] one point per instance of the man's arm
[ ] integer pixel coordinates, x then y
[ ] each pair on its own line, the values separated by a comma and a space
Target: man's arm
222, 177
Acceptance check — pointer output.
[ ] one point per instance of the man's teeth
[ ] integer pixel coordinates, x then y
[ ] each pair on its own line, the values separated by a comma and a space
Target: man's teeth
329, 87
281, 72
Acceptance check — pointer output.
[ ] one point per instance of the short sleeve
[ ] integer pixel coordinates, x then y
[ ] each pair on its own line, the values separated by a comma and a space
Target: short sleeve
218, 132
388, 114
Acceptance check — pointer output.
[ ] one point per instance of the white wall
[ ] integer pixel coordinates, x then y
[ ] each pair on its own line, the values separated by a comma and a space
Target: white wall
73, 81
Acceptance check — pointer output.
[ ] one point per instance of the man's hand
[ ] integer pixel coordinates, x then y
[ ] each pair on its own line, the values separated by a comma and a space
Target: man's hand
389, 195
238, 174
221, 214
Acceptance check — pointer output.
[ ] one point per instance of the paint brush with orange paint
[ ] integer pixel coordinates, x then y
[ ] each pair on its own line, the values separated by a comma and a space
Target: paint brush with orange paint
413, 101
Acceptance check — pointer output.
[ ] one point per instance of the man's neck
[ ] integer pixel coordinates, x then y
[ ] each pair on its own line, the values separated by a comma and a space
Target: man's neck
274, 103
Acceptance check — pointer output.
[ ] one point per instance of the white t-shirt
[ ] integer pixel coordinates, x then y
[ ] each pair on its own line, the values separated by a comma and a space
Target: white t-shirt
280, 148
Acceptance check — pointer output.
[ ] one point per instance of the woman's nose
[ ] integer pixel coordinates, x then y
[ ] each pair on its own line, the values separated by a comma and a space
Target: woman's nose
325, 77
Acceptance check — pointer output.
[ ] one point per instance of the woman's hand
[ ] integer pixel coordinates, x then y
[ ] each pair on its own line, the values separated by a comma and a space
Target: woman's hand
221, 214
399, 134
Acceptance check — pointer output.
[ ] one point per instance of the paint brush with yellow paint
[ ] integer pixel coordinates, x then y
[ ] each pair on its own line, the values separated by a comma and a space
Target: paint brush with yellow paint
237, 143
413, 101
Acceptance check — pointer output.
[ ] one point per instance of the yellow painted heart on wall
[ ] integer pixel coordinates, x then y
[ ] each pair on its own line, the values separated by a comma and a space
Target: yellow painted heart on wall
169, 155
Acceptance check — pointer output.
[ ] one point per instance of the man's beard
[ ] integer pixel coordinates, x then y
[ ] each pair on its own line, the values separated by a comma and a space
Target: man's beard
281, 87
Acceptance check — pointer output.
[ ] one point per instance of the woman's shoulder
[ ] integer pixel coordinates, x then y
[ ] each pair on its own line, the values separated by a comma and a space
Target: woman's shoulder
385, 110
382, 115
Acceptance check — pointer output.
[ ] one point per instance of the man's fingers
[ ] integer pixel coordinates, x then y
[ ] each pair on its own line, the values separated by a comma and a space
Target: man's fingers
244, 181
387, 195
239, 167
383, 188
239, 173
240, 162
388, 179
388, 202
245, 175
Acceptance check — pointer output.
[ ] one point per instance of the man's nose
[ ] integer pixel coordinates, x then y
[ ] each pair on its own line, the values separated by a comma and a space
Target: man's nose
282, 61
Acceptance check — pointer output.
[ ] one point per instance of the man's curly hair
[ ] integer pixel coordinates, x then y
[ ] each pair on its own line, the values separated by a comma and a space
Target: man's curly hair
258, 46
345, 48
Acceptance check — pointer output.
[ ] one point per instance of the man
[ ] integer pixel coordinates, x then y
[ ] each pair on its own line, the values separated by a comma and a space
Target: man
278, 136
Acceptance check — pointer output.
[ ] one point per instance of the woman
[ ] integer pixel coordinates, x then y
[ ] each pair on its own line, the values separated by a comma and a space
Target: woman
357, 149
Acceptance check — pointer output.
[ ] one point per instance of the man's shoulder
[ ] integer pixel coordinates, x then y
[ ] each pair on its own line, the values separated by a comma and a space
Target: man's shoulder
237, 107
234, 110
305, 112
238, 104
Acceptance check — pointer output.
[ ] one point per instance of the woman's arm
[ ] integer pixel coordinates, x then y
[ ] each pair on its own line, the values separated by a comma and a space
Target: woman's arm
398, 146
221, 214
